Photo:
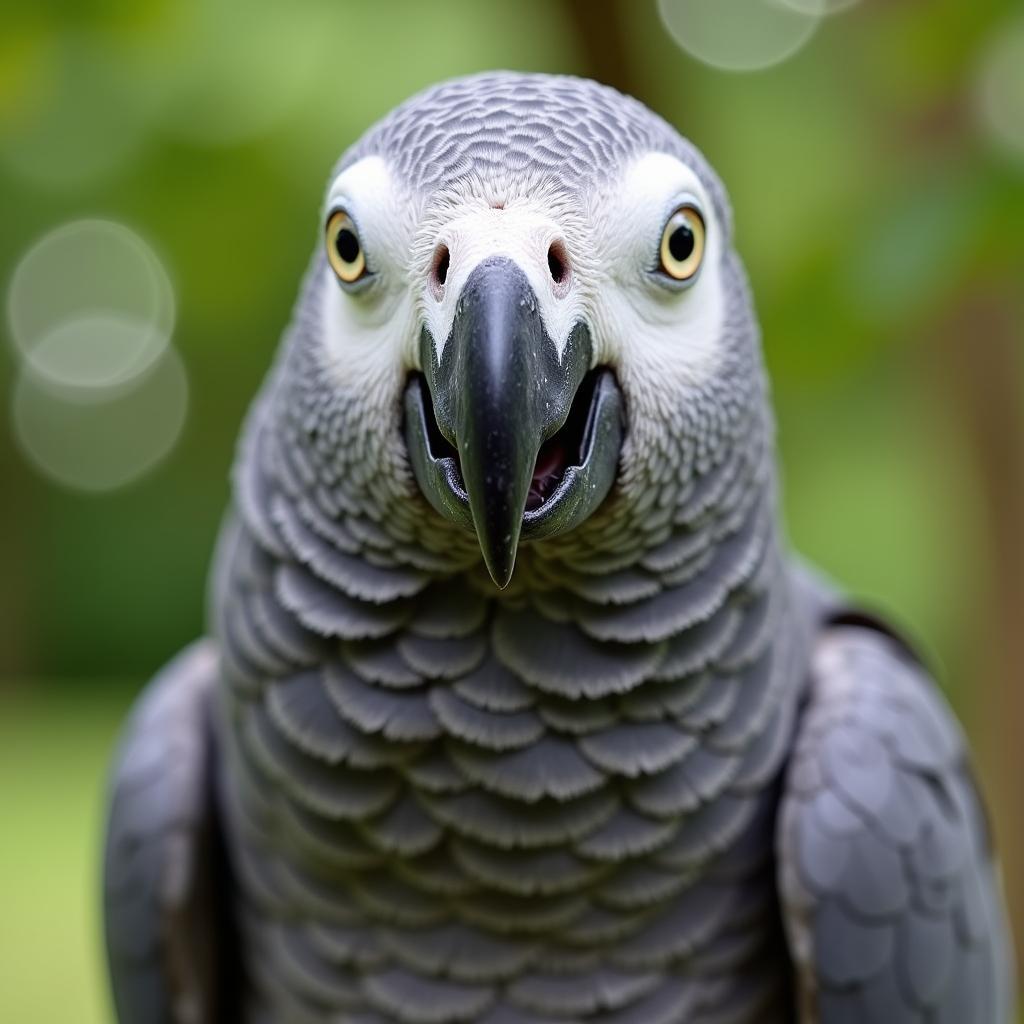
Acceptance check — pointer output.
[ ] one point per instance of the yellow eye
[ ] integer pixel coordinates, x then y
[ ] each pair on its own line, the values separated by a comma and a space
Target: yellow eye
344, 250
682, 244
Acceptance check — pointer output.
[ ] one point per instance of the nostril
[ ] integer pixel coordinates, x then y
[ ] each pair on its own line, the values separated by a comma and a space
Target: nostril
442, 257
558, 262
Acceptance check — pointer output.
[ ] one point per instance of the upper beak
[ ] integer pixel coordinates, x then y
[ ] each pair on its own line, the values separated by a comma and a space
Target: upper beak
507, 436
499, 391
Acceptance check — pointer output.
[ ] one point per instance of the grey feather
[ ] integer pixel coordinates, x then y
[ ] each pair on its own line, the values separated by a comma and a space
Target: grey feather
527, 873
637, 749
416, 999
402, 715
325, 610
625, 836
441, 657
403, 829
167, 913
507, 824
567, 663
880, 845
468, 954
492, 687
551, 767
494, 730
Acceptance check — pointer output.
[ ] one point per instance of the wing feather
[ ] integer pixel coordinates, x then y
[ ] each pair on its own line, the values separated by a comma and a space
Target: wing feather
890, 892
170, 946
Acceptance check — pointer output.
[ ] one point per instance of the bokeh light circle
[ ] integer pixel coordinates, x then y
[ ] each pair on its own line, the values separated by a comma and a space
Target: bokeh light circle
100, 446
818, 7
1000, 87
741, 35
90, 306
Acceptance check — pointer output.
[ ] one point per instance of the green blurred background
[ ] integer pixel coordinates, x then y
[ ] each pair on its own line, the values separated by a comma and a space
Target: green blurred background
877, 177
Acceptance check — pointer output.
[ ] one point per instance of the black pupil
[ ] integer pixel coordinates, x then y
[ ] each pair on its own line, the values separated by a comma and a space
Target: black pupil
347, 245
680, 243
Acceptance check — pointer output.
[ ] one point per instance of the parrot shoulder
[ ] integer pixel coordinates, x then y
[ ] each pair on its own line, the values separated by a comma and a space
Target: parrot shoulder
166, 886
888, 884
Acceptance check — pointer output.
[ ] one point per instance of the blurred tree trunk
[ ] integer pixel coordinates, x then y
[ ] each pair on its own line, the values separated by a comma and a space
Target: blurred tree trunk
598, 25
16, 582
981, 380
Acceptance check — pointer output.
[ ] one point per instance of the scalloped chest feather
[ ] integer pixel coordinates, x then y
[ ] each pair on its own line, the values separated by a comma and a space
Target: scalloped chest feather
558, 804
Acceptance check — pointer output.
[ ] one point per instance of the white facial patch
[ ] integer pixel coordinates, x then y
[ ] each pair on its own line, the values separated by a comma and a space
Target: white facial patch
372, 330
639, 321
655, 334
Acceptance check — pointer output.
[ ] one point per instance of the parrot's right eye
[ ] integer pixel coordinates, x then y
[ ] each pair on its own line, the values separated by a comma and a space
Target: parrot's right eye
344, 250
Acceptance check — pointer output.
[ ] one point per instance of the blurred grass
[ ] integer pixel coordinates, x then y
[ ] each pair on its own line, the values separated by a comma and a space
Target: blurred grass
54, 749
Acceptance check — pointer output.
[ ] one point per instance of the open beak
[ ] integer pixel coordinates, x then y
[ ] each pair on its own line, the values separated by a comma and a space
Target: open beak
505, 434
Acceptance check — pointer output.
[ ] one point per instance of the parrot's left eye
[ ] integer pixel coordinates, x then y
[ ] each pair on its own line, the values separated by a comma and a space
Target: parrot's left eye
682, 244
344, 250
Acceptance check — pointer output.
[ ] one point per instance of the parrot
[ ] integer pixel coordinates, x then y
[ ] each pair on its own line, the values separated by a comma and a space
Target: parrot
514, 705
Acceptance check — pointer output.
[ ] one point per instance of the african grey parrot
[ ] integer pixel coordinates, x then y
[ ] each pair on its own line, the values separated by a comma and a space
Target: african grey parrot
659, 772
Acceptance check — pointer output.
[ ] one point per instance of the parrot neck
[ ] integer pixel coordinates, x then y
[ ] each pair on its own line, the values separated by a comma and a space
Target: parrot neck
583, 767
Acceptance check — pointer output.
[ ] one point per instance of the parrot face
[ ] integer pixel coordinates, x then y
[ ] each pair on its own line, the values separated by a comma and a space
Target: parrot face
530, 334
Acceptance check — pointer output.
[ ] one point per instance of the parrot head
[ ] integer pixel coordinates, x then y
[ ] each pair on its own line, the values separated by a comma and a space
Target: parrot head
531, 279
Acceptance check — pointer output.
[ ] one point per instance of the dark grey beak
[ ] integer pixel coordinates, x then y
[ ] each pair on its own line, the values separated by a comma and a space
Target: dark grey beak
499, 392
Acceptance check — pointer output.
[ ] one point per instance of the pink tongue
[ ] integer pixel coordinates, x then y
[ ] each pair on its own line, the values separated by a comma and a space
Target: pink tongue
551, 462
